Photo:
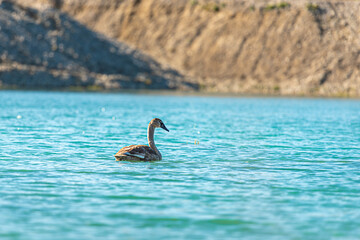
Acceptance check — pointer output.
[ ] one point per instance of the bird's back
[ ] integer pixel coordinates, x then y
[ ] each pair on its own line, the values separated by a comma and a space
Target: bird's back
137, 153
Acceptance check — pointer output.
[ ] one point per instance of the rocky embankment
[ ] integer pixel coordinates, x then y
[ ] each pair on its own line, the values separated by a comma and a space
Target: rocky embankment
257, 47
44, 48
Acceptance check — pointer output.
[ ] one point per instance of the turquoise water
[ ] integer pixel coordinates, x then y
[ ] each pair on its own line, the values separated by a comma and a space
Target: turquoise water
264, 168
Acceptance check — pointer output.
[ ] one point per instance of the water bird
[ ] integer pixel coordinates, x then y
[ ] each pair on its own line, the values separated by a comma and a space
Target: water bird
143, 152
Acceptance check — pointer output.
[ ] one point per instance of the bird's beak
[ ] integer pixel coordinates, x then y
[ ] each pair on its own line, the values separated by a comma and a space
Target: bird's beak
163, 127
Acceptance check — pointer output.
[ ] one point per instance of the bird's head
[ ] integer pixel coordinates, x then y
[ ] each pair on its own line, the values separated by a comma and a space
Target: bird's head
156, 122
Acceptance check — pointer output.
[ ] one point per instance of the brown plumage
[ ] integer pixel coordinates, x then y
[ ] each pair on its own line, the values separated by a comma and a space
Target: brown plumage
143, 152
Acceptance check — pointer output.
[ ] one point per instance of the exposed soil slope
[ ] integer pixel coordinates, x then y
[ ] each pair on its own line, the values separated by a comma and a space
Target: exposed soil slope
239, 46
44, 48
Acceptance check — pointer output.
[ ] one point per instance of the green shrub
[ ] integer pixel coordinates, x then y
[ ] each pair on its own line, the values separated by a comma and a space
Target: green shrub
312, 7
194, 2
213, 7
281, 5
276, 88
270, 7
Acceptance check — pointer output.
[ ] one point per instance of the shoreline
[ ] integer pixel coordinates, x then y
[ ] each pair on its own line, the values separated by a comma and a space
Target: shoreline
179, 93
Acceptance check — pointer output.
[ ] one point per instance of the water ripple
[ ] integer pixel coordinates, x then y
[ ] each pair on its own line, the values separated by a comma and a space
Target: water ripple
232, 168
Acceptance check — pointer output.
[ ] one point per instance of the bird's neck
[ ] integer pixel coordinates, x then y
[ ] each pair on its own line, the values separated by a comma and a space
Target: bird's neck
150, 135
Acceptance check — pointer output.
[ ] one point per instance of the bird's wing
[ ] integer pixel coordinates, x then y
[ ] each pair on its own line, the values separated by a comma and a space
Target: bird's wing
138, 151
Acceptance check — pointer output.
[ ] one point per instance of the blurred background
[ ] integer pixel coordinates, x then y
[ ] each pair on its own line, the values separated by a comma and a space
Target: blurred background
302, 48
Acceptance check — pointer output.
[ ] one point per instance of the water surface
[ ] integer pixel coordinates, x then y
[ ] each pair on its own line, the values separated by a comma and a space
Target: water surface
263, 168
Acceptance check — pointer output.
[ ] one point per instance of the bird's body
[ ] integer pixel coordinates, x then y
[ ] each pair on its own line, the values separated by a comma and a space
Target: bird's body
137, 153
143, 152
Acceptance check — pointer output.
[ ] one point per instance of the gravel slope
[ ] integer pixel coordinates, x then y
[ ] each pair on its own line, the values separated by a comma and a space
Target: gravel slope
44, 48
